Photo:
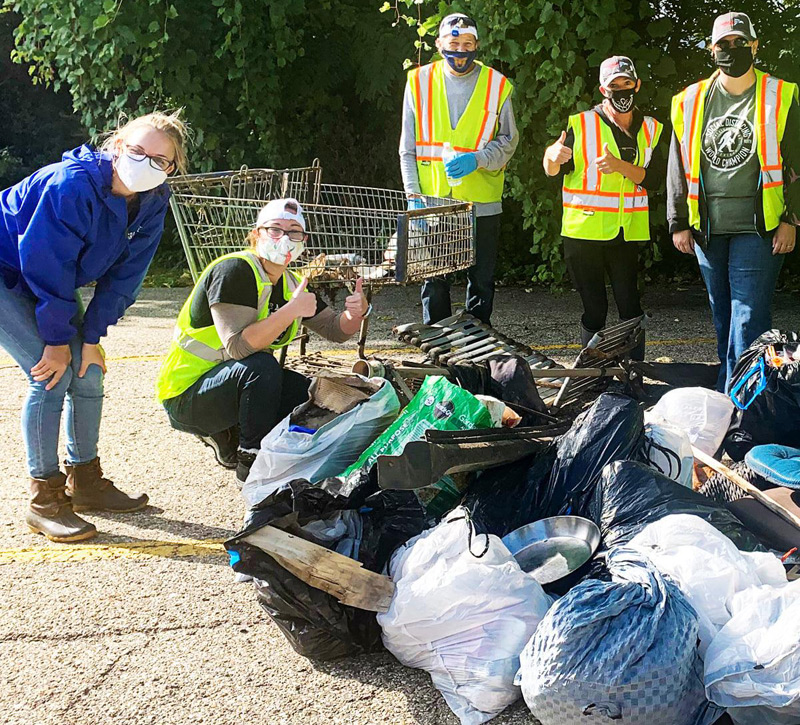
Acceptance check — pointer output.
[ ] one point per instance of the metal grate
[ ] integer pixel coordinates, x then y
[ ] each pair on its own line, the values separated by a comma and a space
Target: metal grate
355, 231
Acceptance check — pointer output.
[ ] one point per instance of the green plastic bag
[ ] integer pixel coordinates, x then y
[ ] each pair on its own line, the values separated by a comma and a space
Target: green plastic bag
438, 405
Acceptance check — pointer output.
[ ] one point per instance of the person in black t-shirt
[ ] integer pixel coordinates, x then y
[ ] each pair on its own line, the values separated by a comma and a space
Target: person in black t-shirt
220, 380
605, 221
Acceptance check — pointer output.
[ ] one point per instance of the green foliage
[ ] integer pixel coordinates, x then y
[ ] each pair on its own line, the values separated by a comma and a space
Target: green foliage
279, 83
263, 84
36, 125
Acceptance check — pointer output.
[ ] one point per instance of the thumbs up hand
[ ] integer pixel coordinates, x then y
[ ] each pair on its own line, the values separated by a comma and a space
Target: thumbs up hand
557, 152
356, 303
304, 304
608, 163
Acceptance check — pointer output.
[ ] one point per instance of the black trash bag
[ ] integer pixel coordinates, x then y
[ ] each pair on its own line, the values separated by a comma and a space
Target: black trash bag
315, 623
502, 499
774, 414
611, 430
631, 495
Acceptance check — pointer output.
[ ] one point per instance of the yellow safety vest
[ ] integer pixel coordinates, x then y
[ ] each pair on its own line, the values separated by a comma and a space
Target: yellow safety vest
597, 205
773, 98
476, 127
196, 350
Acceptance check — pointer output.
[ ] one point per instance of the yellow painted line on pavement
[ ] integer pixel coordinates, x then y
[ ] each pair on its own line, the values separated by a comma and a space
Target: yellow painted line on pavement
69, 553
408, 350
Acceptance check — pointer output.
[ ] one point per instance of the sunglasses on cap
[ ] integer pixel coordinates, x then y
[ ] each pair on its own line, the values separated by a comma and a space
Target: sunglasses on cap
462, 21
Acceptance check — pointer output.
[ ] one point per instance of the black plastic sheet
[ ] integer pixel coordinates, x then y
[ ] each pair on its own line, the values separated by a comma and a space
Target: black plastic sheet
315, 623
631, 495
774, 415
504, 498
611, 430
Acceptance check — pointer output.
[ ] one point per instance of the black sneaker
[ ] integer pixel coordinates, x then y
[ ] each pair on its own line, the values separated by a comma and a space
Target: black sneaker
224, 444
245, 463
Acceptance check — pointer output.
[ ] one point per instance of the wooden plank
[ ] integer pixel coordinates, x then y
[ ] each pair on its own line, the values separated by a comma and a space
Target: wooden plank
341, 577
747, 487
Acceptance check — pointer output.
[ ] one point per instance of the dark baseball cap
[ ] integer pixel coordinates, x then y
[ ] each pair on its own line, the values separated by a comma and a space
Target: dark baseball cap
617, 66
733, 24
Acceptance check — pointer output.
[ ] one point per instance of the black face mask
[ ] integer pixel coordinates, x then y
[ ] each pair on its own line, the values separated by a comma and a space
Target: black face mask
733, 62
622, 101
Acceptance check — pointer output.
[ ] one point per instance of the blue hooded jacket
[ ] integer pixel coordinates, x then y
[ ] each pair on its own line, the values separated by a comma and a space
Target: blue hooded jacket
62, 228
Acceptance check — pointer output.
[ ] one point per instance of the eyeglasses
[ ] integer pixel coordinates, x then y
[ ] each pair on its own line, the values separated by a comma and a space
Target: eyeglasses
157, 162
735, 43
295, 235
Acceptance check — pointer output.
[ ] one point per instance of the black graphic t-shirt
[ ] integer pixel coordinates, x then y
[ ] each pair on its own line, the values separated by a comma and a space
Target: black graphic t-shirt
729, 161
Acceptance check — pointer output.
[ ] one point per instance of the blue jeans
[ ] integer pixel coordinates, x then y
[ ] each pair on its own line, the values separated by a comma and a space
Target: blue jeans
740, 272
480, 278
41, 413
254, 393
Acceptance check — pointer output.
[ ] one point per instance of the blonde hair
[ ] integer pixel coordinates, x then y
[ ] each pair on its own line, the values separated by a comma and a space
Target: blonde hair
171, 124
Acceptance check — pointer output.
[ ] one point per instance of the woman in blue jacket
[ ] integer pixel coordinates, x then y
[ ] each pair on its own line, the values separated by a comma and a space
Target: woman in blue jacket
97, 216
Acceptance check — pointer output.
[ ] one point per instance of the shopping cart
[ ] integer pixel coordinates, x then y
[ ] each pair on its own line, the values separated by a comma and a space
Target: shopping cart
354, 231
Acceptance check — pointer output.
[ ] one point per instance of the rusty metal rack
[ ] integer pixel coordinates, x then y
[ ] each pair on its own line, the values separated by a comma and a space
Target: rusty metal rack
463, 338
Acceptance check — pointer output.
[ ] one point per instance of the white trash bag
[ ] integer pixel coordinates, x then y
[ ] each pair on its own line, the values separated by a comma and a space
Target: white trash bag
753, 665
706, 566
704, 415
463, 611
669, 451
286, 455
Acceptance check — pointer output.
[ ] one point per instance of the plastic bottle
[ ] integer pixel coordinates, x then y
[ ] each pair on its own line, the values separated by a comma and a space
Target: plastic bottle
447, 154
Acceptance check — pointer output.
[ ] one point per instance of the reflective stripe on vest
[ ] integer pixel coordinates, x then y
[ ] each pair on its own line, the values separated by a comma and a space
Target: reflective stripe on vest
476, 127
217, 353
773, 97
597, 205
196, 351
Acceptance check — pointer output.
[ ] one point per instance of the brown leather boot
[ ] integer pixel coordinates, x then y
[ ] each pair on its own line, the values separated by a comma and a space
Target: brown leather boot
51, 513
89, 491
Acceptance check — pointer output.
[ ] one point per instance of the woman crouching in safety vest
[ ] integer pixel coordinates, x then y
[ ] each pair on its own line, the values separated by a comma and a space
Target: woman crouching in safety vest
220, 380
609, 166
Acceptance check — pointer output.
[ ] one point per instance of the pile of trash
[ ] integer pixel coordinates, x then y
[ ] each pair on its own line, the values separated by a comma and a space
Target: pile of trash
591, 576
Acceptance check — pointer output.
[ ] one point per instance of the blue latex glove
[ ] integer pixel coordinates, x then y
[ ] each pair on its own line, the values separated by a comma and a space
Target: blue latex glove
415, 203
461, 165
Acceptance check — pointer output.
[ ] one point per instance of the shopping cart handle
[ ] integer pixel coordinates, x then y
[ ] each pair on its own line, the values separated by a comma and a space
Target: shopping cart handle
762, 384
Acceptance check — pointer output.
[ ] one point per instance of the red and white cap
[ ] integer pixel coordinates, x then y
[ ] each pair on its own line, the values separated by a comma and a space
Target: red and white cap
733, 24
457, 24
617, 66
281, 209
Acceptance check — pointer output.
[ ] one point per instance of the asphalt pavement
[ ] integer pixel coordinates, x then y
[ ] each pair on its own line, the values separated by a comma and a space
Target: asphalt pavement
145, 624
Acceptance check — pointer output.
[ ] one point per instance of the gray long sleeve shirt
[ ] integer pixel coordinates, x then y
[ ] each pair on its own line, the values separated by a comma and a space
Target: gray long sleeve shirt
494, 156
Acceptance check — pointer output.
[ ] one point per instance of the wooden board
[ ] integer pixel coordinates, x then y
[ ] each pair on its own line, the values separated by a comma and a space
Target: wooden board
338, 575
760, 496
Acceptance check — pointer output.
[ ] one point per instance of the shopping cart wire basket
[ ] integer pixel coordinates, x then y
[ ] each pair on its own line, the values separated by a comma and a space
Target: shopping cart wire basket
354, 231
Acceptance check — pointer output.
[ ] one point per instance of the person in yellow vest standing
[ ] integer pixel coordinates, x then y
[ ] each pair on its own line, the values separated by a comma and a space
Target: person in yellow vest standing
610, 163
220, 379
731, 194
458, 135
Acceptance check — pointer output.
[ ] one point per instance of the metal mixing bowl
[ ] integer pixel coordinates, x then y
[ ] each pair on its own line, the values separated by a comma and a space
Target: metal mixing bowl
553, 548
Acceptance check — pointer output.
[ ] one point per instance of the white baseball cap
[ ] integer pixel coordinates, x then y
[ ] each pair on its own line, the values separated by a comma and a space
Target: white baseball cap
733, 24
457, 24
282, 209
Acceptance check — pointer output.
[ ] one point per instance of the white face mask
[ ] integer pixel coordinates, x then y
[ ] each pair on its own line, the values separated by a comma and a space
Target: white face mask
281, 251
138, 176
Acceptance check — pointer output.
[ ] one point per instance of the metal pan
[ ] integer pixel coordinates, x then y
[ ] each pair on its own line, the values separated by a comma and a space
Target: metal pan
553, 548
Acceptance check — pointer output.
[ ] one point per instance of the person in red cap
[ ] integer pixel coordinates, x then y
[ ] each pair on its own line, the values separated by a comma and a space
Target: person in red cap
731, 196
610, 163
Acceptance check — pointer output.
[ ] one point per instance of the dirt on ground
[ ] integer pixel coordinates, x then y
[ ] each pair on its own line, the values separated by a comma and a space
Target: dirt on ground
145, 624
